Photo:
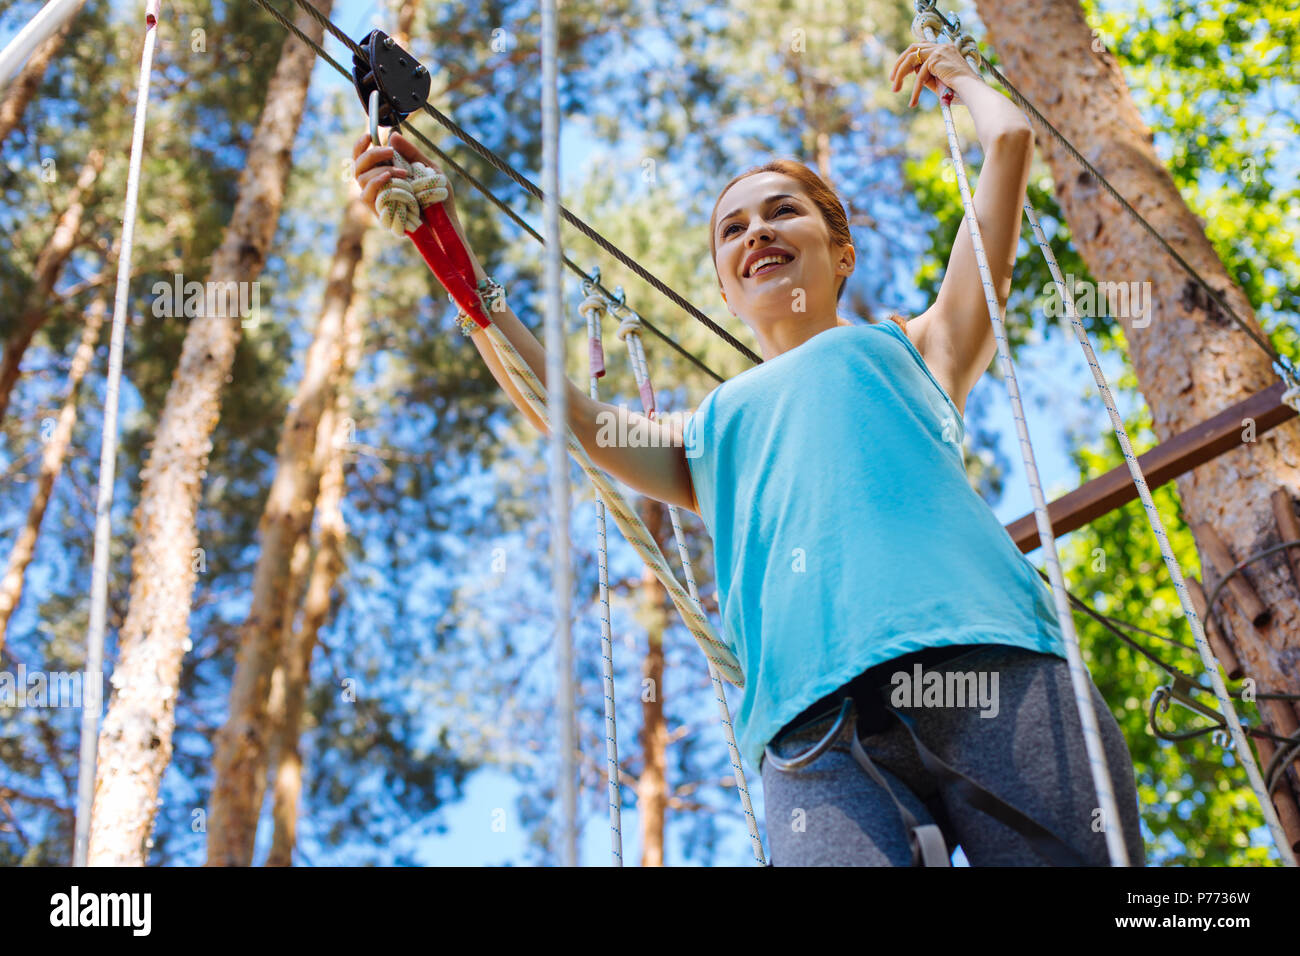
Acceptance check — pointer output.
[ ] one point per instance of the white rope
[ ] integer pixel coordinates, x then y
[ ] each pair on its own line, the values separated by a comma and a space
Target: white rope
108, 458
1210, 662
591, 309
926, 27
970, 49
630, 332
39, 29
557, 421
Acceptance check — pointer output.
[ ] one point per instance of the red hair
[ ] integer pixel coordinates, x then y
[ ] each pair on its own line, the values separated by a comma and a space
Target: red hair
819, 194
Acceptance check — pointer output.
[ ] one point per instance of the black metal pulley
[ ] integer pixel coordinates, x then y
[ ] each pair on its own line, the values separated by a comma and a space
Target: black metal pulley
403, 84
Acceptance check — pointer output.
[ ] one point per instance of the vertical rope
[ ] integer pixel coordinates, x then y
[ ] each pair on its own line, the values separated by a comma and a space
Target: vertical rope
93, 704
591, 309
557, 422
1208, 659
925, 28
630, 332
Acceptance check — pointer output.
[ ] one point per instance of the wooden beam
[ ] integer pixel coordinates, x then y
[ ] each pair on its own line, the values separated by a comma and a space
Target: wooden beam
1199, 444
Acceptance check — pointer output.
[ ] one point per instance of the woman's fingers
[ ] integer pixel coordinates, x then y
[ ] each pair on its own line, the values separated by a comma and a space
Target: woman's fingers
409, 150
374, 181
905, 64
372, 157
373, 166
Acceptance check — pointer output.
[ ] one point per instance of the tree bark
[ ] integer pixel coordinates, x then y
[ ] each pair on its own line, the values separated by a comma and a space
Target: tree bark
28, 81
49, 265
241, 760
136, 743
652, 785
56, 447
298, 644
1191, 360
326, 568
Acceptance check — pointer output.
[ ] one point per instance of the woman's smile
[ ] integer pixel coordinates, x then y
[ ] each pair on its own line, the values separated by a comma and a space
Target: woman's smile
769, 267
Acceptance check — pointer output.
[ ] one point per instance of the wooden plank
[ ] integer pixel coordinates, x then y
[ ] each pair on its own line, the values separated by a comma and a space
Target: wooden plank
1180, 454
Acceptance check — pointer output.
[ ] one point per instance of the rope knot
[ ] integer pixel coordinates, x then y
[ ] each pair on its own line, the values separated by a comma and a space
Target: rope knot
592, 303
631, 325
927, 20
400, 202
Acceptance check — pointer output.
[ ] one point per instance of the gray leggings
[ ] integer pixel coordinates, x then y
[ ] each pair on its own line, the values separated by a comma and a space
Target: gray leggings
1031, 754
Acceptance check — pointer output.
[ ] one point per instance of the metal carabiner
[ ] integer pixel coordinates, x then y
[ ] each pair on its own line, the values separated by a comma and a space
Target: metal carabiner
374, 118
819, 748
1179, 692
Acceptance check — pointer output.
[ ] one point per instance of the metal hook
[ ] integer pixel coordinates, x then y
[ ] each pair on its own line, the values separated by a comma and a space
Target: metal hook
374, 118
1179, 692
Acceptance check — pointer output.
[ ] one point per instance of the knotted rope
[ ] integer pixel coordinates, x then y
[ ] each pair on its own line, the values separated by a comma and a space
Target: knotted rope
399, 203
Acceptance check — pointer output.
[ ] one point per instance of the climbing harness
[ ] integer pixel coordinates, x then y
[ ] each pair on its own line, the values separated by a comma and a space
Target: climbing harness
926, 839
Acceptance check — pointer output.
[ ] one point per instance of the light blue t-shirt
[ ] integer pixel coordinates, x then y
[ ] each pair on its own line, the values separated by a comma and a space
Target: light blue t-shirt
845, 529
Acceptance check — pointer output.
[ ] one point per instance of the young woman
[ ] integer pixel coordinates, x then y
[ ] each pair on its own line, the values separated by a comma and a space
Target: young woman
852, 554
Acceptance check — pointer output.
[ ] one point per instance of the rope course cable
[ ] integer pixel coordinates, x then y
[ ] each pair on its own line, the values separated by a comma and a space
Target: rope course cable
556, 420
924, 27
590, 310
505, 167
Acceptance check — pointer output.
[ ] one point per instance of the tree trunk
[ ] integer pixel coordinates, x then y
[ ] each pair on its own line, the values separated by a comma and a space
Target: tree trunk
652, 785
136, 743
241, 760
1191, 360
293, 670
25, 85
56, 447
49, 264
300, 643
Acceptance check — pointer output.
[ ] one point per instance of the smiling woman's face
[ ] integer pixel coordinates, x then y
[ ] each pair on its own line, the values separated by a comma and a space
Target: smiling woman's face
769, 213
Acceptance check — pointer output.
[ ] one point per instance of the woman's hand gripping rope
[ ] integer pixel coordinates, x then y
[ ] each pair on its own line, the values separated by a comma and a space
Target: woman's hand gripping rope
411, 196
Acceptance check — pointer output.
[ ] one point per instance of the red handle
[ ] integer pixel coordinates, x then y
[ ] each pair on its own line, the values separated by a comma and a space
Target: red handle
447, 258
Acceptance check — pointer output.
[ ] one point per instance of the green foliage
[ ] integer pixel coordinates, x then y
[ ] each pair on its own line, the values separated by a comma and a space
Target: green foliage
1215, 81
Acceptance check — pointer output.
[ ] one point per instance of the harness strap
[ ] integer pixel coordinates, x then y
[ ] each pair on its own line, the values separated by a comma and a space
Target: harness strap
1046, 843
926, 839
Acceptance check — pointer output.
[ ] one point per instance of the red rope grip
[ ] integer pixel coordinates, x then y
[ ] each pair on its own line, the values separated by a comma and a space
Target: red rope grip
446, 257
